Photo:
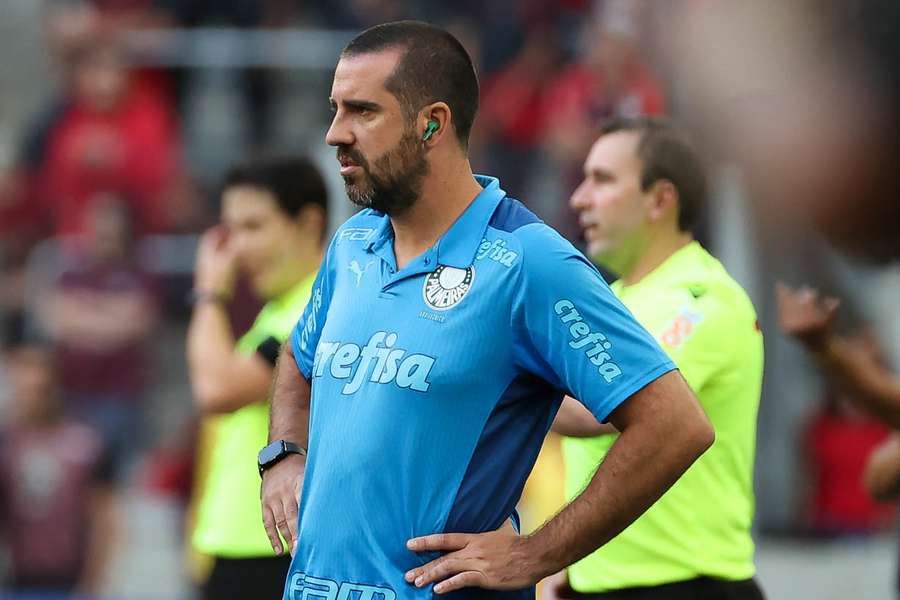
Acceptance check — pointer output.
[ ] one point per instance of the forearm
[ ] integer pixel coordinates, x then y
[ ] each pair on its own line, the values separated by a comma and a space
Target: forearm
210, 348
882, 475
102, 539
663, 431
289, 412
574, 420
866, 382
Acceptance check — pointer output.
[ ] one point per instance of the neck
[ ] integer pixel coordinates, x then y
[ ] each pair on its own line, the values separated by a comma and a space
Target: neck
446, 193
660, 248
296, 269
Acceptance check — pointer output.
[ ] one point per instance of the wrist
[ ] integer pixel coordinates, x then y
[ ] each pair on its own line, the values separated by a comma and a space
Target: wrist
205, 295
823, 347
537, 562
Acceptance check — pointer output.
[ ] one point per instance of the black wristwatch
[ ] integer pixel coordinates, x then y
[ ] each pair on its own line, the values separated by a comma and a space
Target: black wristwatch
274, 452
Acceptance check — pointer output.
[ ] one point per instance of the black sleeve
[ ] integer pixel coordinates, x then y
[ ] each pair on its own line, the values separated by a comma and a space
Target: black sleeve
269, 349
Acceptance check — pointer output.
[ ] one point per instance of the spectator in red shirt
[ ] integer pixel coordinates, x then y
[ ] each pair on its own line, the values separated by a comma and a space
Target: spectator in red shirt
840, 439
109, 134
512, 119
56, 500
610, 79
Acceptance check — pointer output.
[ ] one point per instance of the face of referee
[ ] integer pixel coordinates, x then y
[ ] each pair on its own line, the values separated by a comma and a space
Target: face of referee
265, 240
382, 158
613, 211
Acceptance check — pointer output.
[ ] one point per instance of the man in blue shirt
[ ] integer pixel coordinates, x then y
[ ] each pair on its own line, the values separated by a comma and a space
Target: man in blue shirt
445, 326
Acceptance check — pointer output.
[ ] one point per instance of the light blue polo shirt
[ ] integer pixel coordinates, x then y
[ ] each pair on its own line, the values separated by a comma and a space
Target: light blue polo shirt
434, 385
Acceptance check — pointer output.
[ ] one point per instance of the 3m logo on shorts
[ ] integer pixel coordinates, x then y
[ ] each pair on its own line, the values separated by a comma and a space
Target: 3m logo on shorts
594, 343
376, 362
306, 587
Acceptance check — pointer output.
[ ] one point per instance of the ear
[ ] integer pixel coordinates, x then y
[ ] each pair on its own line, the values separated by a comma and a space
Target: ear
663, 201
311, 220
436, 112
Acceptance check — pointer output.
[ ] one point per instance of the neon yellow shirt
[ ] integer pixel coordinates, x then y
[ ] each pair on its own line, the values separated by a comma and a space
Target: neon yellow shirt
229, 517
701, 527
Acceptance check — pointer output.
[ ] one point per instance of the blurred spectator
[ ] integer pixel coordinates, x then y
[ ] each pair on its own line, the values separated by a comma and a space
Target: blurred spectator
511, 110
58, 520
610, 78
810, 319
106, 133
839, 440
255, 82
101, 315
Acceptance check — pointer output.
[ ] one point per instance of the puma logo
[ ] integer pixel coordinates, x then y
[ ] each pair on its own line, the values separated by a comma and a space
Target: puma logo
359, 271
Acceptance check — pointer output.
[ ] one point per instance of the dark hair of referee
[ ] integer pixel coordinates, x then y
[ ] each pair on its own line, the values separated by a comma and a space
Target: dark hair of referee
666, 153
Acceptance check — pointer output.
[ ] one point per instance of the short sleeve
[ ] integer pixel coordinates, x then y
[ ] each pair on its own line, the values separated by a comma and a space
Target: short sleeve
305, 336
706, 338
571, 330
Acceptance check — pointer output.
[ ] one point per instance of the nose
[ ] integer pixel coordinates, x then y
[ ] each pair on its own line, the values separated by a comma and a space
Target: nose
338, 133
578, 199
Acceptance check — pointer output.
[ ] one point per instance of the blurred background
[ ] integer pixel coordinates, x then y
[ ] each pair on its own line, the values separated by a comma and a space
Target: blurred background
119, 117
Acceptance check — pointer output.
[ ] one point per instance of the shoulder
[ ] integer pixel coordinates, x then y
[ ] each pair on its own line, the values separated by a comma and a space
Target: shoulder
361, 227
524, 230
710, 301
357, 230
517, 238
713, 287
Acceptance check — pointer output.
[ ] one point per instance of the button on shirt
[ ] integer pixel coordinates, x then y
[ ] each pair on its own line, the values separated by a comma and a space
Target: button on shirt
433, 386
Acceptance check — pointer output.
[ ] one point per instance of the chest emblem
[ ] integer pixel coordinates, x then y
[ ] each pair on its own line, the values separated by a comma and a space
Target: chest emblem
446, 286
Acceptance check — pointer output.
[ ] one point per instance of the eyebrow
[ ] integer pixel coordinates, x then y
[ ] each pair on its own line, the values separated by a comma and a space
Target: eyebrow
598, 173
359, 104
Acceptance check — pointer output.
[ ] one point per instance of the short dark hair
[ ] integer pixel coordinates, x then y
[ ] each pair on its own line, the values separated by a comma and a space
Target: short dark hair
667, 153
295, 182
435, 67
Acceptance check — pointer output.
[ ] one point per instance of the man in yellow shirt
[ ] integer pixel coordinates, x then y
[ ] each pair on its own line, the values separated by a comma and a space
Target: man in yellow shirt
643, 192
273, 223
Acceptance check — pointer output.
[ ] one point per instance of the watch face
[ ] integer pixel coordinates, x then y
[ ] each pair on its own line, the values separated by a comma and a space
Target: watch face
270, 453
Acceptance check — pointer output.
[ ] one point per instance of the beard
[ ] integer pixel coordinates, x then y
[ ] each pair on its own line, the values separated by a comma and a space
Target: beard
393, 182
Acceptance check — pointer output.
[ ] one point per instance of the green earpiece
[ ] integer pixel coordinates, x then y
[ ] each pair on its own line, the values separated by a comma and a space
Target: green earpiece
430, 129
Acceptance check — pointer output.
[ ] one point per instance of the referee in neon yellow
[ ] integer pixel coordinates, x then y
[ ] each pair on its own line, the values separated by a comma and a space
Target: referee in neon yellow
643, 192
273, 223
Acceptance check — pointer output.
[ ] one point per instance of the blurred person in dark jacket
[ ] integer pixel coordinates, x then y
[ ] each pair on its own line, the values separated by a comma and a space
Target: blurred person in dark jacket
55, 488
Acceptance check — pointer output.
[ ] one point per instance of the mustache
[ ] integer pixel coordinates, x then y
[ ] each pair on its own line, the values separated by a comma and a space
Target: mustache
348, 152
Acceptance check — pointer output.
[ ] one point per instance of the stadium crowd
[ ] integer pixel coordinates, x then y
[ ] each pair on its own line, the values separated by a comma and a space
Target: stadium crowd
108, 184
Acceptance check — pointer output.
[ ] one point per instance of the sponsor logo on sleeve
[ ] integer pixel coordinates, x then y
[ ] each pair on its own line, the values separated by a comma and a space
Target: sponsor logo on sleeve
311, 324
596, 346
681, 328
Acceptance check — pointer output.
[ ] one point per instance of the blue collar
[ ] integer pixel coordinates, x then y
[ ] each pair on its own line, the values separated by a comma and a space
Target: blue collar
458, 245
